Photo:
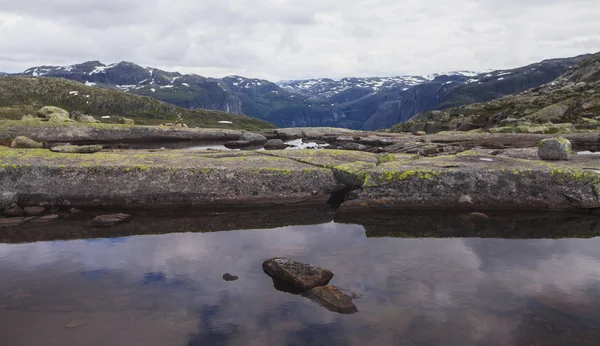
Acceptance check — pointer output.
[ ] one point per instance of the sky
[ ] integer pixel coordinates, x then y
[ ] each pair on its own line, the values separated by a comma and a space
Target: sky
291, 39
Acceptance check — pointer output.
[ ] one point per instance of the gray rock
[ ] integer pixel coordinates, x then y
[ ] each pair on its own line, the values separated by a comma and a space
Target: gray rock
76, 149
296, 276
83, 118
56, 114
127, 121
237, 144
554, 149
35, 211
253, 138
333, 299
355, 146
275, 144
111, 220
25, 142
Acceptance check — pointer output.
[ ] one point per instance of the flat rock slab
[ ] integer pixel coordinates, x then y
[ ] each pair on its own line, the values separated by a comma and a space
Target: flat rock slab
167, 178
326, 158
106, 133
295, 276
14, 221
472, 179
76, 149
111, 220
47, 218
333, 299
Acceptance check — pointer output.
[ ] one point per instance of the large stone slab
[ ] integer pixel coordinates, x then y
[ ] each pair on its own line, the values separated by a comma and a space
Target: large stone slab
475, 180
144, 178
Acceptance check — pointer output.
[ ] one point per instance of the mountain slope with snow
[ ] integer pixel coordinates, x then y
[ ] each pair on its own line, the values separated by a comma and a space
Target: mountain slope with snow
358, 103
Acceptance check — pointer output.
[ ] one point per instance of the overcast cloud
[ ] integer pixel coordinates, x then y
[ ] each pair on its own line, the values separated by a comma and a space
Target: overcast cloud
291, 39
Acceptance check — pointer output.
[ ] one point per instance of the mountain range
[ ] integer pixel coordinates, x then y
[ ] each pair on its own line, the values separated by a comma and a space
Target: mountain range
571, 101
355, 103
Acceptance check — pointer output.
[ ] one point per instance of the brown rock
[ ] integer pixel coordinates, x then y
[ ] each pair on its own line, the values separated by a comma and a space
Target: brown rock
419, 133
292, 276
333, 299
74, 211
35, 211
110, 220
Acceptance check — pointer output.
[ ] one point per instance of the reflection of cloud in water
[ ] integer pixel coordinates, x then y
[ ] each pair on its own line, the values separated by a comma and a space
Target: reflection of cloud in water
414, 291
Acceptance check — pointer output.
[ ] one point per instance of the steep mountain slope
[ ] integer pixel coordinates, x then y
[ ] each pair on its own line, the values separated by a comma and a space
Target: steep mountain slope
20, 95
356, 103
572, 98
443, 92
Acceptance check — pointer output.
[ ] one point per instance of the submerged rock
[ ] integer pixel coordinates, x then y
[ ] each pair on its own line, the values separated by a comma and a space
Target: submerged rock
25, 142
295, 276
111, 220
14, 210
47, 218
333, 299
275, 144
554, 149
229, 277
35, 211
237, 144
77, 149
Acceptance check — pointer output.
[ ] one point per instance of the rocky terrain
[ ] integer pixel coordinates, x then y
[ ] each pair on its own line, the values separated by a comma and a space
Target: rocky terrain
570, 103
355, 103
25, 95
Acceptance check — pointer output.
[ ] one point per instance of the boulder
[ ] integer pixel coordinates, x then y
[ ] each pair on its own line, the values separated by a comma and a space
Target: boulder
127, 121
295, 276
253, 138
237, 144
29, 117
35, 211
111, 220
25, 142
333, 299
76, 149
275, 144
56, 114
14, 210
554, 149
83, 118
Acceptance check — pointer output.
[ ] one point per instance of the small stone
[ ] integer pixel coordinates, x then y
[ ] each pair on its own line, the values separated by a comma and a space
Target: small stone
110, 220
333, 299
465, 199
274, 144
35, 211
14, 210
47, 218
295, 276
419, 133
554, 149
74, 211
355, 146
474, 216
127, 121
25, 142
229, 277
76, 149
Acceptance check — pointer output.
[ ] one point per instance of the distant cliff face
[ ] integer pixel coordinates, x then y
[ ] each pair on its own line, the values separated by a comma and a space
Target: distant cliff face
356, 103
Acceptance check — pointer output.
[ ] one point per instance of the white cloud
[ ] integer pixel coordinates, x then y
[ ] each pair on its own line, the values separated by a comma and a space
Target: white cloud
285, 39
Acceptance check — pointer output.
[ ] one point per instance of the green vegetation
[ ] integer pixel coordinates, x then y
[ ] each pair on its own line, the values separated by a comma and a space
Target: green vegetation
25, 95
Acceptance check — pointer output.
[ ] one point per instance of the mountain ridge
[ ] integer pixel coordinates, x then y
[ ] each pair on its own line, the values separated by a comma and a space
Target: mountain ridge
368, 103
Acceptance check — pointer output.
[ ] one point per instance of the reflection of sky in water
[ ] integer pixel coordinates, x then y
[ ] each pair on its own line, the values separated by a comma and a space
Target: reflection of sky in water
168, 290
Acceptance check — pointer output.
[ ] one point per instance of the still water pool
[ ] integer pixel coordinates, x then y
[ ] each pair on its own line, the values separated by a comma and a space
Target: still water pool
168, 290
